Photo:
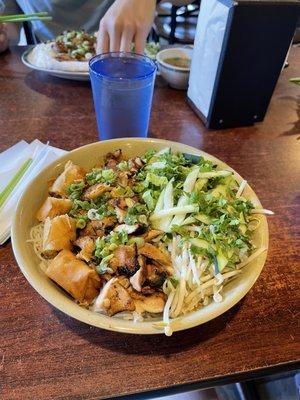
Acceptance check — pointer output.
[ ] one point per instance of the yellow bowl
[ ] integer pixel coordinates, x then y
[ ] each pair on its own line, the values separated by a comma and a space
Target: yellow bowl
88, 156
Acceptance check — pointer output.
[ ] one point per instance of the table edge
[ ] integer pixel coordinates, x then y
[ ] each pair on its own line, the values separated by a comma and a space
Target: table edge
211, 382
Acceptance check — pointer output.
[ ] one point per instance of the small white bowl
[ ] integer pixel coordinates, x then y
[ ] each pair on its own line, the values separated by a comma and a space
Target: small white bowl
177, 77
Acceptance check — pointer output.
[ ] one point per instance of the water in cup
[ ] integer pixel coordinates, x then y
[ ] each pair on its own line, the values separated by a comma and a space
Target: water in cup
122, 86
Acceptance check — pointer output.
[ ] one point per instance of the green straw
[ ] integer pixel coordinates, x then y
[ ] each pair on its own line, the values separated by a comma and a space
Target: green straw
25, 19
295, 80
14, 181
43, 16
39, 14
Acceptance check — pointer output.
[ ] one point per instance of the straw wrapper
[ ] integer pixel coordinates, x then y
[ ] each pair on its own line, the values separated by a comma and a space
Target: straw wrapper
19, 165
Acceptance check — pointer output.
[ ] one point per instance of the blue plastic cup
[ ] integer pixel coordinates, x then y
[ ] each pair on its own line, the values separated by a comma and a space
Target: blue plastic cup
122, 85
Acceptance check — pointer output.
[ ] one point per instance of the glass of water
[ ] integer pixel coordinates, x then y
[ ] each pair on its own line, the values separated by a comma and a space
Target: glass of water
122, 85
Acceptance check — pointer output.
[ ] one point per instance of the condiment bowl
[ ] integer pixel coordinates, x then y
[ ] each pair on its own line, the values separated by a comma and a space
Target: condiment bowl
177, 77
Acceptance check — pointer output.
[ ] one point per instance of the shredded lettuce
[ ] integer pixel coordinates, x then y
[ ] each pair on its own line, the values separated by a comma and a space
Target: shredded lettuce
149, 200
148, 155
155, 180
123, 166
137, 214
151, 49
120, 191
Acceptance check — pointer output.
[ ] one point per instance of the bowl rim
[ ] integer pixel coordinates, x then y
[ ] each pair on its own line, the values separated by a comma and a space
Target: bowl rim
117, 324
169, 66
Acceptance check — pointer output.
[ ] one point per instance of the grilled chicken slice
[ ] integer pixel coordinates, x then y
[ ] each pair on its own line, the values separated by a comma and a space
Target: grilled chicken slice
93, 229
153, 303
123, 179
75, 276
58, 234
129, 229
153, 234
111, 160
121, 214
115, 192
95, 191
134, 164
139, 278
114, 298
63, 57
119, 202
97, 228
121, 206
124, 281
125, 260
152, 252
147, 290
130, 201
150, 275
87, 246
155, 275
53, 207
71, 174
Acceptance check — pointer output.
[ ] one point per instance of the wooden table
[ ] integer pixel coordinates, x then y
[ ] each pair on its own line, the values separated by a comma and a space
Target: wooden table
47, 355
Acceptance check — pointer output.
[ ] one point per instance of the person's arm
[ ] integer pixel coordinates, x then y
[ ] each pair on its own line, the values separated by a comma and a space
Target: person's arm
126, 22
3, 38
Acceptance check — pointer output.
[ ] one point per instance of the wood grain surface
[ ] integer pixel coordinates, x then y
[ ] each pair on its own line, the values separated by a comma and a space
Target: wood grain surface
47, 355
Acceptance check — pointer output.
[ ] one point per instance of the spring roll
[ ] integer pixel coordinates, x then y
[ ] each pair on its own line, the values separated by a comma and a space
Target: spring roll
71, 174
53, 207
75, 276
58, 234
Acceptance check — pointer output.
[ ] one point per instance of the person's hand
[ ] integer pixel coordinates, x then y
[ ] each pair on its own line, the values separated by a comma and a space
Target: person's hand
126, 22
3, 37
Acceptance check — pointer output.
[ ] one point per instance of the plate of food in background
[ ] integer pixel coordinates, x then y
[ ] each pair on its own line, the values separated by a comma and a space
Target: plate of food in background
68, 55
140, 236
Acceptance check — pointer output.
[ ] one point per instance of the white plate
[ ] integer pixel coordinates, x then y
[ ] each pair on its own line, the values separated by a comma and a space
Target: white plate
88, 156
74, 76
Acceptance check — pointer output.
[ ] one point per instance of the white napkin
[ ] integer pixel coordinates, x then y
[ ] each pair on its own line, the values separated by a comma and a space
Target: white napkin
10, 161
209, 37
